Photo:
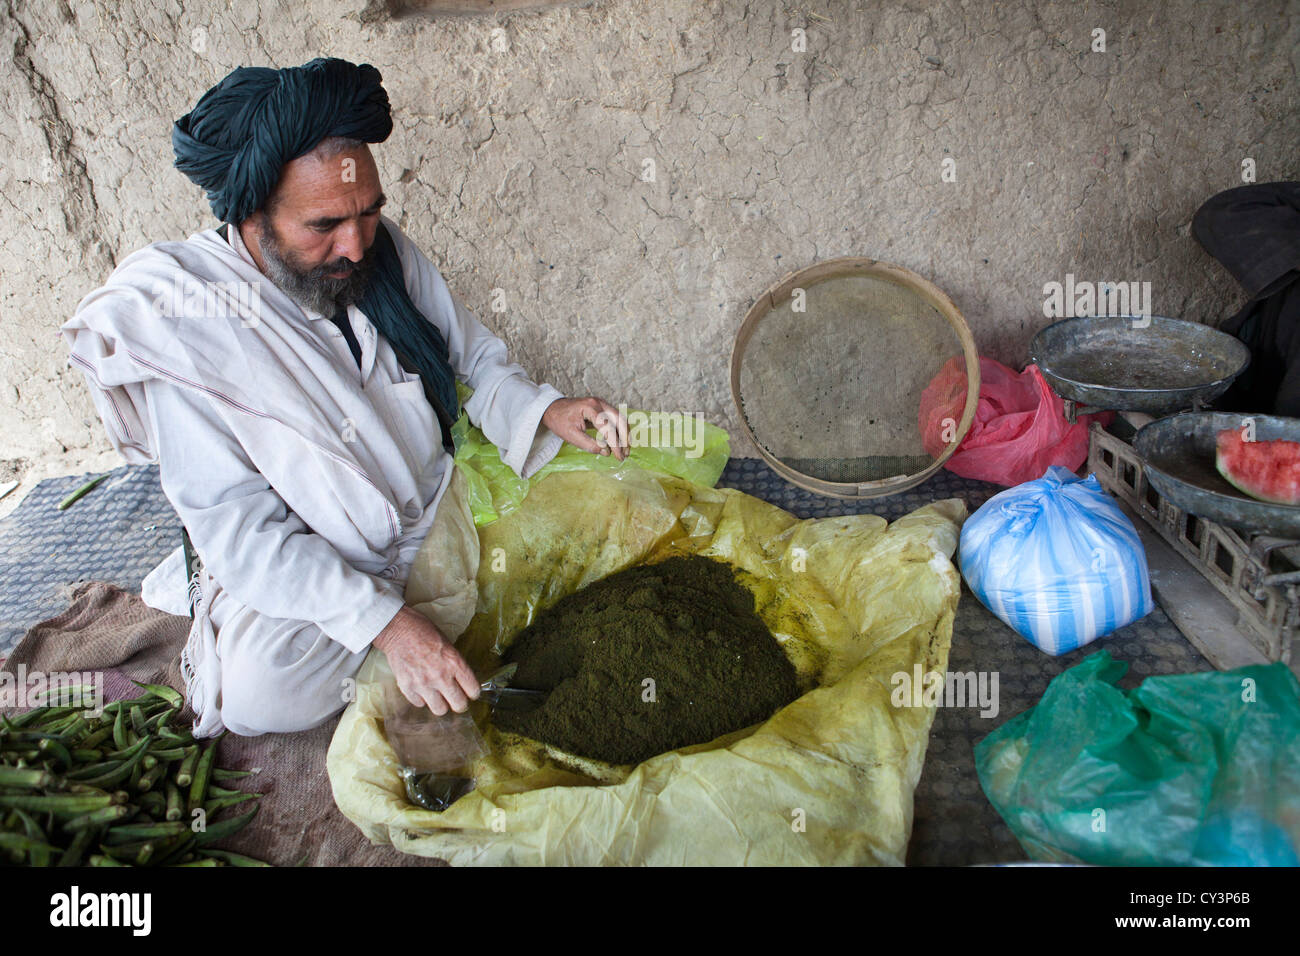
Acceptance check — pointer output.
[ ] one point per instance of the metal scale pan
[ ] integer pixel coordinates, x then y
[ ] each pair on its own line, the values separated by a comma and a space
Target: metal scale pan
1123, 363
1178, 455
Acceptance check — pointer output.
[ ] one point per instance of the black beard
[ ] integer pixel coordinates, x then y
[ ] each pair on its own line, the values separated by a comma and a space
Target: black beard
315, 289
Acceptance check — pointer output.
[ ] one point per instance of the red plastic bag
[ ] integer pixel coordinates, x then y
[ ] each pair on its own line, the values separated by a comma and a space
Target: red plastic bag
1019, 429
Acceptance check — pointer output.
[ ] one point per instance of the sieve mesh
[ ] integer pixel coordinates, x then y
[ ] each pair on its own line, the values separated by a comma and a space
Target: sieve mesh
834, 391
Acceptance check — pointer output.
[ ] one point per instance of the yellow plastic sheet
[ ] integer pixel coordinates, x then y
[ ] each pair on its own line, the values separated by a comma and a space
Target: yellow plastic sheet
827, 780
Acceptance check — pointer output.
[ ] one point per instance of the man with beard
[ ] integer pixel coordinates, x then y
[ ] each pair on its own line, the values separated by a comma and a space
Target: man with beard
294, 375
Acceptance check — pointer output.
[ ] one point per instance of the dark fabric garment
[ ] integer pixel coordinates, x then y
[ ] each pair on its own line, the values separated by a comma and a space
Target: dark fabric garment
419, 345
340, 318
240, 134
1254, 231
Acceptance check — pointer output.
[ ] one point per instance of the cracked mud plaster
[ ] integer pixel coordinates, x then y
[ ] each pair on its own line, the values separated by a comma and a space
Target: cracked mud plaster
523, 145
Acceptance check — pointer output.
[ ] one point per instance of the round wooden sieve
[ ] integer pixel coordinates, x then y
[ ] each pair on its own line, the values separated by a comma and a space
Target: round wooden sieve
911, 285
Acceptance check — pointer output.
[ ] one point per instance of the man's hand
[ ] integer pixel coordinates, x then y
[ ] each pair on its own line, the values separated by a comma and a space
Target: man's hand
570, 417
428, 668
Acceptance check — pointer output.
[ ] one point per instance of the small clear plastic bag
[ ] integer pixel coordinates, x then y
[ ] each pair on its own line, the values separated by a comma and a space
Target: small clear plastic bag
434, 753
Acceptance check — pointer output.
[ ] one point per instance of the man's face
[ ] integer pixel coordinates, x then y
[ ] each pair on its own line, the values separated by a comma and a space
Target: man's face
315, 242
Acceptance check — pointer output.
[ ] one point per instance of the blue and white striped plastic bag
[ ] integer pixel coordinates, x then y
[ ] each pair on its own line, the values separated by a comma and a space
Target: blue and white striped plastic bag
1057, 560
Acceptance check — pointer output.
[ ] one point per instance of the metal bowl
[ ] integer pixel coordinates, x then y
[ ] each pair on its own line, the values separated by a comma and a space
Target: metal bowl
1123, 363
1178, 454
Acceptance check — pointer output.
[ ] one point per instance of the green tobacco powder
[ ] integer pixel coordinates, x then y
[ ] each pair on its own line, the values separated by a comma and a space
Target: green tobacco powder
648, 660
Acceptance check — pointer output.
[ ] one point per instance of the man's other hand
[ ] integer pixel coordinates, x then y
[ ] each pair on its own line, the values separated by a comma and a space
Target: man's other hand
571, 417
428, 668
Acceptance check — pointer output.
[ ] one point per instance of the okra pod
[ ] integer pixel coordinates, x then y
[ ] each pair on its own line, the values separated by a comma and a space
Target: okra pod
224, 828
123, 771
21, 739
134, 832
153, 803
185, 775
125, 853
71, 726
60, 805
71, 498
233, 859
199, 786
159, 720
75, 730
23, 719
223, 792
82, 774
174, 809
97, 737
32, 830
137, 720
152, 708
29, 778
129, 751
168, 754
17, 843
100, 860
119, 731
57, 751
77, 848
30, 827
102, 817
77, 787
42, 716
173, 850
42, 857
172, 697
220, 803
223, 776
151, 777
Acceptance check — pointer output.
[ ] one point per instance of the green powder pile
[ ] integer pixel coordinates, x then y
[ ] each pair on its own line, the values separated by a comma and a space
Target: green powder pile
648, 660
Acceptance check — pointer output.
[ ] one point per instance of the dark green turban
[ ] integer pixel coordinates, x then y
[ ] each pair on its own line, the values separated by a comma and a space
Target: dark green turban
249, 125
243, 131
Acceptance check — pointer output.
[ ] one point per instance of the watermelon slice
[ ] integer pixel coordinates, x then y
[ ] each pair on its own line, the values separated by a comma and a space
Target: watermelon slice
1267, 470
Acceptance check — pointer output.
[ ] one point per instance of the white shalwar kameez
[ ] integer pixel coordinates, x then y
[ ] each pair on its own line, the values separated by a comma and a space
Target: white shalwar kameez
306, 486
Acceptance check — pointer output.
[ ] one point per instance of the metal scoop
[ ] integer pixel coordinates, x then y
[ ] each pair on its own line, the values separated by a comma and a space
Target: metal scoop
500, 696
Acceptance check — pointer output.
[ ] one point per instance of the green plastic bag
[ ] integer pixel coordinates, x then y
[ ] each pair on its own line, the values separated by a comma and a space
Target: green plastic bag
668, 443
1185, 770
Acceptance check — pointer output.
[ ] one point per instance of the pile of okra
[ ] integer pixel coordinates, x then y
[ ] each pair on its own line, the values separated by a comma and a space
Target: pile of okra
122, 788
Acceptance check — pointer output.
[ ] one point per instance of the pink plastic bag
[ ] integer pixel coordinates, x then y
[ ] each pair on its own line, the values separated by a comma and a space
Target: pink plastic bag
1019, 429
